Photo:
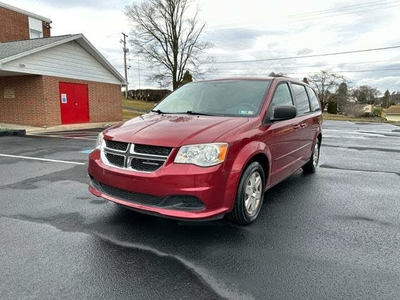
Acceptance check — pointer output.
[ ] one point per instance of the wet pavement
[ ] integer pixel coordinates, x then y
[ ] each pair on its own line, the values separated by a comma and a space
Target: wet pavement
331, 235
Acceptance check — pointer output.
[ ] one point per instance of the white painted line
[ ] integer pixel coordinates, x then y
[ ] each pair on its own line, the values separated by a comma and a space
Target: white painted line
86, 151
43, 159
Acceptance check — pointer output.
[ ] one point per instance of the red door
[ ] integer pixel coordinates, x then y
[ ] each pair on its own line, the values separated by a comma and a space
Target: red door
74, 103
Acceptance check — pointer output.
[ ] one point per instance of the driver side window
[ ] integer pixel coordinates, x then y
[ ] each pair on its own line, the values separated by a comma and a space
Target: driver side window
282, 96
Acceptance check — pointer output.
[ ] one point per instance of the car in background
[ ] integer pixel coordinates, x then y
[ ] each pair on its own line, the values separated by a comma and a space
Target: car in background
210, 149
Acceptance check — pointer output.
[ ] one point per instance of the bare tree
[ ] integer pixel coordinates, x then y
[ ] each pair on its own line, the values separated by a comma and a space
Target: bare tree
167, 36
326, 85
366, 94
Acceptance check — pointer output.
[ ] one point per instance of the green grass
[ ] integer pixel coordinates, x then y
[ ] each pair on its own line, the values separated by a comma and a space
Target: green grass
138, 104
327, 116
127, 114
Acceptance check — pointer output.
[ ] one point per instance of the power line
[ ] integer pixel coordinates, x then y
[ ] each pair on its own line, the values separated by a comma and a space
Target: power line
361, 71
346, 13
328, 13
306, 72
352, 9
304, 56
337, 9
296, 66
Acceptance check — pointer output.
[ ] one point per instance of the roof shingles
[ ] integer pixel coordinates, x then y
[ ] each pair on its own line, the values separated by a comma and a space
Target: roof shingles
394, 109
16, 47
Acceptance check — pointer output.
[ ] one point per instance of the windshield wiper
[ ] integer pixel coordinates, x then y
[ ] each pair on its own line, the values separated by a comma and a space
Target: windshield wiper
160, 112
191, 112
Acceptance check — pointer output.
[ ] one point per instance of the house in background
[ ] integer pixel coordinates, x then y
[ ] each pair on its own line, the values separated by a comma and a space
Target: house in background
47, 81
393, 113
18, 24
368, 109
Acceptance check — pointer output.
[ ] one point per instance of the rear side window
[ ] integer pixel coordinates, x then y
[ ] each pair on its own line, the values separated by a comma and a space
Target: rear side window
313, 99
300, 94
282, 96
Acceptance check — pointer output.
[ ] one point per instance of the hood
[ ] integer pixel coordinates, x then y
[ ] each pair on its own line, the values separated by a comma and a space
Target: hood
173, 130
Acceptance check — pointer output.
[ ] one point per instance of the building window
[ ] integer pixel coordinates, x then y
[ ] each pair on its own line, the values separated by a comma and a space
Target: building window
34, 34
35, 28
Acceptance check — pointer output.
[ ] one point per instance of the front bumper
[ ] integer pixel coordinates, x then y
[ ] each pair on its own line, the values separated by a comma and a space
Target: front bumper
175, 190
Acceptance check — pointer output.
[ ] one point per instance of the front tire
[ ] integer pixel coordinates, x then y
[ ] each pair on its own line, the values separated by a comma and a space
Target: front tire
249, 196
312, 164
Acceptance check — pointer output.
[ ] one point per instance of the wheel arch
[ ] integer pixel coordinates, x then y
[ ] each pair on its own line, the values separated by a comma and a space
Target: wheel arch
262, 159
255, 151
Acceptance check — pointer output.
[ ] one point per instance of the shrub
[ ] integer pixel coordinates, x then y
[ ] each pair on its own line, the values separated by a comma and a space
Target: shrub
332, 108
378, 111
354, 110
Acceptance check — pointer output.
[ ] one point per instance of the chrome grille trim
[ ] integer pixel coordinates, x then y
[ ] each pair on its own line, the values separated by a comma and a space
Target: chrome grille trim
143, 160
148, 157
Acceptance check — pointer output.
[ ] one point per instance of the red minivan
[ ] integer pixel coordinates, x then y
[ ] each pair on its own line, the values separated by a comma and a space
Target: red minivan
210, 149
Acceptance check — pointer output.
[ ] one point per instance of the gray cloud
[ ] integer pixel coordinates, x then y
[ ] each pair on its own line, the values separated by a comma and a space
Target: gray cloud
304, 51
93, 4
235, 38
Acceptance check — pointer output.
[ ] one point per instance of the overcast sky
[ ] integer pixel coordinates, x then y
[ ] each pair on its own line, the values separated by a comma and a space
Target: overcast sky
247, 30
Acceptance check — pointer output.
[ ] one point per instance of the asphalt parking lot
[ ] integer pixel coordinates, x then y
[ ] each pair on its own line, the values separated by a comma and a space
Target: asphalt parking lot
331, 235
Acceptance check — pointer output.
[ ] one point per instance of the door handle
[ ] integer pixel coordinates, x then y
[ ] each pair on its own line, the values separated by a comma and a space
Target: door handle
300, 126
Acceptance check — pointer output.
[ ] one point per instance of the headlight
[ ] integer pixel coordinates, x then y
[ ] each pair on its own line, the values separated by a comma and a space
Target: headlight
203, 155
99, 140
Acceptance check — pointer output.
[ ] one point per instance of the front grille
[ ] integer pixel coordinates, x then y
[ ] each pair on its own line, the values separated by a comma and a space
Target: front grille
153, 150
176, 202
142, 158
146, 165
130, 196
120, 146
117, 160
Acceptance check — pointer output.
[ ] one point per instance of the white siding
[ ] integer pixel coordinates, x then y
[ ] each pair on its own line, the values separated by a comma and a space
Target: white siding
395, 118
68, 60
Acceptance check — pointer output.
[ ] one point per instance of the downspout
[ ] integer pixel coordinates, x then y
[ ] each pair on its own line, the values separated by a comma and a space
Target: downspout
44, 103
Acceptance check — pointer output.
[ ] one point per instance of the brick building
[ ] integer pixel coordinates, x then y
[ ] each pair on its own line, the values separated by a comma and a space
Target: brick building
47, 81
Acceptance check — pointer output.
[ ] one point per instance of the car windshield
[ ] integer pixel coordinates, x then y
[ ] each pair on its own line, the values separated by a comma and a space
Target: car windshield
241, 98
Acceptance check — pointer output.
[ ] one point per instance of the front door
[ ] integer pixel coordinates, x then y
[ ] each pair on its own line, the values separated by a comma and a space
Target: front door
285, 147
305, 121
74, 102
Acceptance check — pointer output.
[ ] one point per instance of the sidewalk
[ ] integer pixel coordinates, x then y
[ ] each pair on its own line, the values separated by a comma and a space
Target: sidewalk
14, 129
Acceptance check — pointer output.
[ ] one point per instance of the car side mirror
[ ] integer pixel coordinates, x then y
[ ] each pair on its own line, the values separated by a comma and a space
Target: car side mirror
284, 112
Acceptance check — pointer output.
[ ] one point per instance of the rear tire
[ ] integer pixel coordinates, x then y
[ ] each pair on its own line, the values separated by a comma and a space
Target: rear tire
249, 196
312, 164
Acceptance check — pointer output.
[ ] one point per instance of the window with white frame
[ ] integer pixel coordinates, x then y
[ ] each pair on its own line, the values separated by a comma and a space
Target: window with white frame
35, 28
34, 34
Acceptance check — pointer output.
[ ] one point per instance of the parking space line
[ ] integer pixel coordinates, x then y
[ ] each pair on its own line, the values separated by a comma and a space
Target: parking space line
86, 151
43, 159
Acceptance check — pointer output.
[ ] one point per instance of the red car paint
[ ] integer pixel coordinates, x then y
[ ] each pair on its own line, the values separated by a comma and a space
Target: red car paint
282, 147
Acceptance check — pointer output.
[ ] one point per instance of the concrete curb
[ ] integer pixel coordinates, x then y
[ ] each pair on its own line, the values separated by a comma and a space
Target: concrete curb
18, 129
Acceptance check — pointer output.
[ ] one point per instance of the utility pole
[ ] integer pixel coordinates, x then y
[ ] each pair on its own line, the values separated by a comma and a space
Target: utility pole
126, 50
138, 66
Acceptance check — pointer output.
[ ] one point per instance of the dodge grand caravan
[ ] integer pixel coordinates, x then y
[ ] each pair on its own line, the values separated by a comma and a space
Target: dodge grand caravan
210, 149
